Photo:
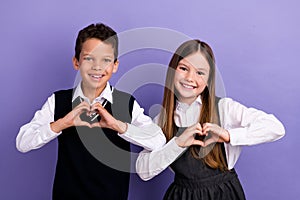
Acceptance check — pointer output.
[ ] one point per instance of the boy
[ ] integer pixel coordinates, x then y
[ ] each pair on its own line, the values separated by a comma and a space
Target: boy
93, 137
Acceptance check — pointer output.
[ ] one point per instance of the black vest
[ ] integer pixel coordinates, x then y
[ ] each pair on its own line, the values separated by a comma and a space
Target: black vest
92, 163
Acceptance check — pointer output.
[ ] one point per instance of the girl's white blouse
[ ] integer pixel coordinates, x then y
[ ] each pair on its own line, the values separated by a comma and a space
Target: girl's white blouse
246, 126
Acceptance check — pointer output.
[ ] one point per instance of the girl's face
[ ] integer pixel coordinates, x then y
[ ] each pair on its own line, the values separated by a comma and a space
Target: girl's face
191, 77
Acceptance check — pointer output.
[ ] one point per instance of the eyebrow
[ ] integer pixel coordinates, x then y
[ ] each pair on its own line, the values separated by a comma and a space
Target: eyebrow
91, 54
187, 64
86, 54
201, 69
108, 55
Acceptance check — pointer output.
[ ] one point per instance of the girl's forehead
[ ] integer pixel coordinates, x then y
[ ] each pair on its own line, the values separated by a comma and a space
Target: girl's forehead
196, 60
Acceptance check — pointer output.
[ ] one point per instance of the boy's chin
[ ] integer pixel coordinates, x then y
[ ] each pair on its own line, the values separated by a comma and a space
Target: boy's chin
95, 85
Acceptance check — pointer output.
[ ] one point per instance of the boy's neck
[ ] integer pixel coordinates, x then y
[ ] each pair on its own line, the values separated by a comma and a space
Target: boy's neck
92, 93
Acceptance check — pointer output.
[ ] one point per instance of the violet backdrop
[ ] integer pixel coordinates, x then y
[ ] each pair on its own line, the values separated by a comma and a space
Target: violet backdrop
256, 44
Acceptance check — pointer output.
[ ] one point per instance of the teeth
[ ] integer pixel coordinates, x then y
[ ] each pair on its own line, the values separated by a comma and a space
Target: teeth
96, 76
187, 86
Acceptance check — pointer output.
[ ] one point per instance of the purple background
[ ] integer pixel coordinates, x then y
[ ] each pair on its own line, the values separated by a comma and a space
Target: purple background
256, 44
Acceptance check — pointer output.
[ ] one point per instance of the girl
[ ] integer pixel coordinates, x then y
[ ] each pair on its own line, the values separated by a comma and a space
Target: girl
204, 133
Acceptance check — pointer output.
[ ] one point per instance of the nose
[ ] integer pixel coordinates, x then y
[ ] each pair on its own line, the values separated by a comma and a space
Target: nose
96, 67
190, 76
99, 65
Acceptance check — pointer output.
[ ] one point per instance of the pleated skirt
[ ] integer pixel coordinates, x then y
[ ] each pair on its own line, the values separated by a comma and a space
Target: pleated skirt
224, 186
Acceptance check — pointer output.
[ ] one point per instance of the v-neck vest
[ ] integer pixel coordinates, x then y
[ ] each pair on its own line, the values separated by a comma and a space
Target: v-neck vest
92, 163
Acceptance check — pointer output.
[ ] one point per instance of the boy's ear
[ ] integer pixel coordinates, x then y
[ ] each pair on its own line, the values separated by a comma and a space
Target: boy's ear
75, 63
116, 65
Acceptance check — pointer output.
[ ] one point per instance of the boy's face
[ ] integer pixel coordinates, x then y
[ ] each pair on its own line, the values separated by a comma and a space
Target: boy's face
96, 65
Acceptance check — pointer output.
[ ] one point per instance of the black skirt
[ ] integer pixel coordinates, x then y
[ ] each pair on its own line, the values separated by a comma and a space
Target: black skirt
224, 186
194, 180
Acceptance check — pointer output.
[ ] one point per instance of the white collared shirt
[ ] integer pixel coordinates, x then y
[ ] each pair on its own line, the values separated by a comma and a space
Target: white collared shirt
141, 131
246, 126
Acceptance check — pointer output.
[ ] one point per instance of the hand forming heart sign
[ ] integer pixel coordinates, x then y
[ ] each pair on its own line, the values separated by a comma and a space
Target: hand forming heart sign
90, 116
211, 132
96, 115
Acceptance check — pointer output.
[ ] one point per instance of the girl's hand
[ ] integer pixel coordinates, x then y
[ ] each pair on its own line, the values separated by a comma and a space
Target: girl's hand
107, 120
72, 118
218, 134
187, 138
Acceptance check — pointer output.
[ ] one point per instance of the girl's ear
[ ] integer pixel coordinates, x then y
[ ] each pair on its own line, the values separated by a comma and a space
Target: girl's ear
75, 63
115, 67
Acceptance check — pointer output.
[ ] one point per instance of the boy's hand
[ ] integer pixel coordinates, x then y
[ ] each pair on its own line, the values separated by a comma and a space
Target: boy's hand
72, 118
187, 138
217, 133
107, 120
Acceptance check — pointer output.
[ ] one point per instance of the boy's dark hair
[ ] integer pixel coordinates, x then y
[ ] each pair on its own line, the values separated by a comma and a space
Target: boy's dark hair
99, 31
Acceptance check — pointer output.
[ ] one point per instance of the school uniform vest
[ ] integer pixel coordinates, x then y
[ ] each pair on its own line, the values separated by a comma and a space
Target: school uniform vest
92, 163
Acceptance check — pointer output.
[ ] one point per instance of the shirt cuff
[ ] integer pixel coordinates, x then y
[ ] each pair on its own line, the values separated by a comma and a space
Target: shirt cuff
238, 136
149, 137
175, 146
173, 150
150, 164
49, 134
135, 132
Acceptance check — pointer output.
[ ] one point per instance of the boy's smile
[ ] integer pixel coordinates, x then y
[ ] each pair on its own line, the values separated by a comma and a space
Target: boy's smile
96, 65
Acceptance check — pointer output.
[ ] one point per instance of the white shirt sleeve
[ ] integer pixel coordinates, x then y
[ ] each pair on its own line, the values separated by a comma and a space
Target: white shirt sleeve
37, 132
142, 131
246, 126
150, 164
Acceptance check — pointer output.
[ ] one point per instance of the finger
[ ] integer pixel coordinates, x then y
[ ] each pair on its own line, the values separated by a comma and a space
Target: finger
207, 124
198, 142
205, 130
83, 123
199, 132
96, 124
79, 111
83, 106
198, 126
211, 128
189, 133
209, 141
194, 127
96, 106
205, 127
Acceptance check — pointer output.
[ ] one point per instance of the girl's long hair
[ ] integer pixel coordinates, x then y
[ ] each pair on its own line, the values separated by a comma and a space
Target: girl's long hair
212, 155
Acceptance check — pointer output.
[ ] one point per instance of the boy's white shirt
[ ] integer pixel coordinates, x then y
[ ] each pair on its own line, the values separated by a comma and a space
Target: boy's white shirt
141, 131
246, 126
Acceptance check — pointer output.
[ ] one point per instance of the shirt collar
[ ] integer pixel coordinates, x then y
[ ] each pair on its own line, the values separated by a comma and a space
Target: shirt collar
105, 94
184, 106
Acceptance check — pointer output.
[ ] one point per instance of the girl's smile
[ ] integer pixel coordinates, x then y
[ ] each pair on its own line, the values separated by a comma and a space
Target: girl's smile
191, 77
187, 86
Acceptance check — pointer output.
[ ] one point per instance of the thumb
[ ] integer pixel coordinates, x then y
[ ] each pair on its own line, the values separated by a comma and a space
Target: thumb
84, 123
198, 143
208, 142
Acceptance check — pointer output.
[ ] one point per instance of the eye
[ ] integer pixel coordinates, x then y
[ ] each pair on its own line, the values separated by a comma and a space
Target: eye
107, 60
200, 73
183, 68
87, 58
